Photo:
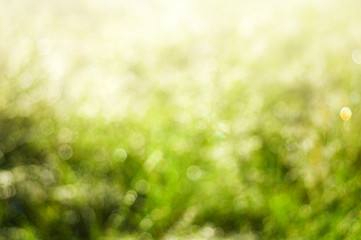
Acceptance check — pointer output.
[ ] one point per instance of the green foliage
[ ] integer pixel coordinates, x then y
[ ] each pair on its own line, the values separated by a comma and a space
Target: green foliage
179, 124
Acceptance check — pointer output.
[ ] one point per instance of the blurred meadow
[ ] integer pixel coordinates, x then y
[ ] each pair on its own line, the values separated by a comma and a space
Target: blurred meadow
184, 119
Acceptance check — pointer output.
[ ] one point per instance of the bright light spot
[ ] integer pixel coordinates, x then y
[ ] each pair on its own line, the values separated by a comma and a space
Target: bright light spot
356, 56
6, 178
130, 197
146, 223
47, 177
157, 214
208, 232
345, 113
64, 193
153, 160
7, 192
120, 154
142, 186
307, 144
194, 172
65, 152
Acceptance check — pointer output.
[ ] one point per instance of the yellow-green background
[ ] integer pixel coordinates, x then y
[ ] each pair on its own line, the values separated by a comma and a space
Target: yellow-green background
184, 119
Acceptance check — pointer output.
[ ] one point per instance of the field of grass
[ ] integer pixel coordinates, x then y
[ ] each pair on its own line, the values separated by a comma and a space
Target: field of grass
185, 119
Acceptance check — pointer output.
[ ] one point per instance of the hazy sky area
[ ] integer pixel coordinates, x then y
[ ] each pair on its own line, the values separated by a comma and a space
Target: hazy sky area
107, 57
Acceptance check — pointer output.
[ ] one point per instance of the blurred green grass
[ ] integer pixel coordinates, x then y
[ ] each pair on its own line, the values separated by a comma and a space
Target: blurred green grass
182, 120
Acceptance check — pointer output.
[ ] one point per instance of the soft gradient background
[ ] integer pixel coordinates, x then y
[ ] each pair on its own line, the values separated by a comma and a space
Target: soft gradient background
184, 119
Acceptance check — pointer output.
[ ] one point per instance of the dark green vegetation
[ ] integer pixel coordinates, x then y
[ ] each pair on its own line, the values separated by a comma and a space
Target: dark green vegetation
188, 121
